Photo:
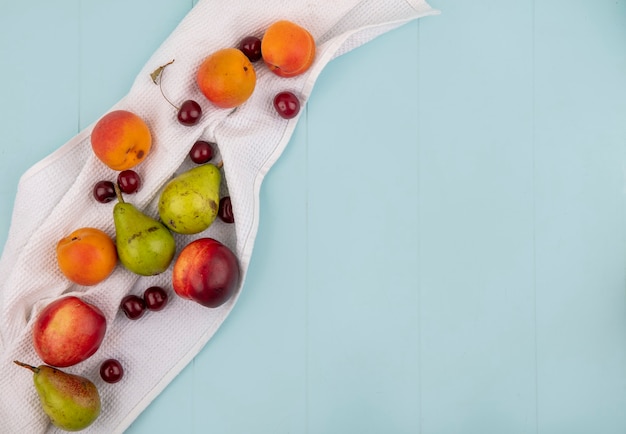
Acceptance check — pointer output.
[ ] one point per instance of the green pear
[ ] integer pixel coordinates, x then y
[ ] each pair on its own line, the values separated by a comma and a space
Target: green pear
144, 245
71, 402
189, 203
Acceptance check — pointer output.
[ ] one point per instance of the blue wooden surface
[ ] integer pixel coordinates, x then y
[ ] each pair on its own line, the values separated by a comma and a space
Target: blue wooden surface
442, 246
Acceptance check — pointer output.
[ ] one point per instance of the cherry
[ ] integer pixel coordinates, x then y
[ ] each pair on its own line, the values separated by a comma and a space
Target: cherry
201, 152
111, 371
287, 105
155, 298
133, 306
189, 113
104, 191
128, 181
225, 210
251, 47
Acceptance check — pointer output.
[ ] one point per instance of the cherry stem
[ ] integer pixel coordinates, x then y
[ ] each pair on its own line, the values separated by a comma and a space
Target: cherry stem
24, 365
159, 72
118, 193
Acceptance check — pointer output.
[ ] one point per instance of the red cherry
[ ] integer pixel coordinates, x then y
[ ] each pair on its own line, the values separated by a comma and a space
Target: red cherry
111, 371
104, 191
287, 105
189, 113
251, 47
225, 210
155, 298
129, 181
201, 152
133, 306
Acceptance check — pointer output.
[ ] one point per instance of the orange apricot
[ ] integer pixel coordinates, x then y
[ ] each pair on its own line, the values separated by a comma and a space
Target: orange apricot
287, 48
121, 139
226, 78
87, 256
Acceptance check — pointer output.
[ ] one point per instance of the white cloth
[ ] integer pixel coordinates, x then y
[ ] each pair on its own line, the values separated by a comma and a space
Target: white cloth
53, 199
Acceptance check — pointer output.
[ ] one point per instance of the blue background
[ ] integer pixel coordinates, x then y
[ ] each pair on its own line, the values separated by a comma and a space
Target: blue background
442, 246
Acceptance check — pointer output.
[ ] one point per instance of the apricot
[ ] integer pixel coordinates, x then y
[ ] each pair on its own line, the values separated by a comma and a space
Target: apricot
226, 78
287, 48
87, 256
121, 139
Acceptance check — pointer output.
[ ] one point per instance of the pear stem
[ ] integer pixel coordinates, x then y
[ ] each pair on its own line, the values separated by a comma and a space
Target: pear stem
118, 193
220, 164
24, 365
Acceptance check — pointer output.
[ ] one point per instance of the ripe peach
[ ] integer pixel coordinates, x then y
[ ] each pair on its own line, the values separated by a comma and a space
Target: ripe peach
206, 272
121, 139
287, 48
86, 256
68, 331
226, 78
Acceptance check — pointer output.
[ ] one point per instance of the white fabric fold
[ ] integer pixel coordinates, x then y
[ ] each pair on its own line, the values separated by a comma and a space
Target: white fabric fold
54, 198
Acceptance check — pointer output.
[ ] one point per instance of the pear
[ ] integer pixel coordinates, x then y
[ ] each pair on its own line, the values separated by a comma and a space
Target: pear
71, 402
189, 202
144, 245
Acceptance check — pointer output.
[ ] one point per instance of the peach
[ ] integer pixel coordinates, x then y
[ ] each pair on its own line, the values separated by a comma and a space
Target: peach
87, 256
121, 139
68, 331
206, 272
287, 48
226, 78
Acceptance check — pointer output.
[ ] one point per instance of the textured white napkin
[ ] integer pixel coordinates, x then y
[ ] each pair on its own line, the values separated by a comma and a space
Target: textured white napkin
54, 198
